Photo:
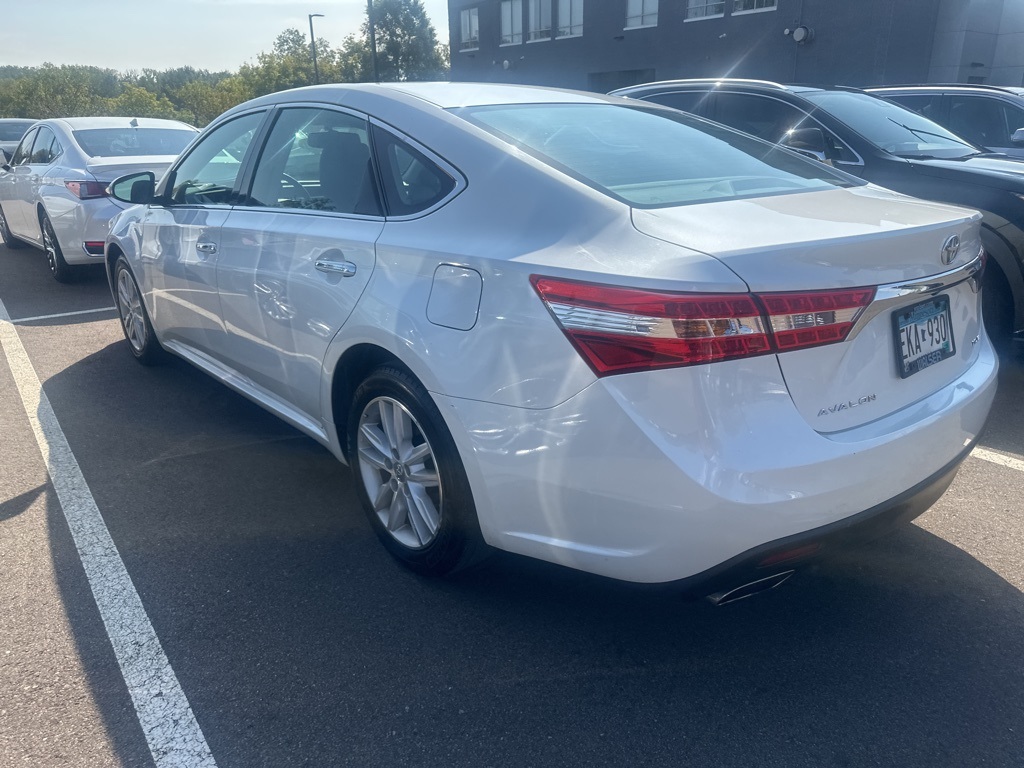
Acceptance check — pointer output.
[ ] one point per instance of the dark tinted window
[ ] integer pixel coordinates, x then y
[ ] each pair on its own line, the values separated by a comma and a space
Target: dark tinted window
114, 142
319, 160
925, 103
12, 130
984, 121
412, 181
687, 101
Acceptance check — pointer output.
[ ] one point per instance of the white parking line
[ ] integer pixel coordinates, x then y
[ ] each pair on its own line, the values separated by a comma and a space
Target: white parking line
63, 314
998, 458
172, 732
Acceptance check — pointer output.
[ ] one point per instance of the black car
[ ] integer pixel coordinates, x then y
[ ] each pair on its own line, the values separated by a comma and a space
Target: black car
885, 144
11, 131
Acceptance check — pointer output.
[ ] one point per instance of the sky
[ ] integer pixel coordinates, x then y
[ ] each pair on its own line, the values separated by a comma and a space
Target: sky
163, 34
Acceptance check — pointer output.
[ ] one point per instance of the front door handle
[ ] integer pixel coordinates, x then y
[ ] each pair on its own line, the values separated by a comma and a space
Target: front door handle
343, 268
206, 248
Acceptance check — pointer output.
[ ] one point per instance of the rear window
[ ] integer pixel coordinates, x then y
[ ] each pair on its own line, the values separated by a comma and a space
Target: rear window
112, 142
13, 131
650, 157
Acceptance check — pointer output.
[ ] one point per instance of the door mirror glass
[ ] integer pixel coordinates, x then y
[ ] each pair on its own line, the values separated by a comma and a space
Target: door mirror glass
135, 188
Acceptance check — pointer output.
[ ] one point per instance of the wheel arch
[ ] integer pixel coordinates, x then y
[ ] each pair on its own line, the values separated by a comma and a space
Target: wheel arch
1008, 259
354, 365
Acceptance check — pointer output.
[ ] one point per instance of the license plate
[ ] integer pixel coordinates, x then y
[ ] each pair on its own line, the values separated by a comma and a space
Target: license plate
923, 335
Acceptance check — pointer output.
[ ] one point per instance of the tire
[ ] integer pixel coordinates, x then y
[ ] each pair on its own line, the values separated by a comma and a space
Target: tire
409, 477
62, 271
138, 331
997, 307
5, 234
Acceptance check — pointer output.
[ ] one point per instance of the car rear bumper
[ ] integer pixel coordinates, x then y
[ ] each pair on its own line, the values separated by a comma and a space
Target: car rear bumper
684, 474
81, 222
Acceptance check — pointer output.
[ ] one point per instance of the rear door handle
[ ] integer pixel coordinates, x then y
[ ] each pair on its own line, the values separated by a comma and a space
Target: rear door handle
330, 266
206, 248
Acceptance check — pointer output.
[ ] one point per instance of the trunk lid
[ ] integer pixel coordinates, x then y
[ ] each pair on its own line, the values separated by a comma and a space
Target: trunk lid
110, 168
841, 239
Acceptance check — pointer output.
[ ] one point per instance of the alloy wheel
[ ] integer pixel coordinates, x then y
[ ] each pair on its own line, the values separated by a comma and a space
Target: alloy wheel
399, 472
129, 306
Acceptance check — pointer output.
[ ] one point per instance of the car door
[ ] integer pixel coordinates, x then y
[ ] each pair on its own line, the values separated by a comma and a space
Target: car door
181, 234
298, 251
15, 187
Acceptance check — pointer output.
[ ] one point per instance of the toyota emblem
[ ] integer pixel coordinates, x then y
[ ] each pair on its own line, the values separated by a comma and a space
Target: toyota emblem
950, 249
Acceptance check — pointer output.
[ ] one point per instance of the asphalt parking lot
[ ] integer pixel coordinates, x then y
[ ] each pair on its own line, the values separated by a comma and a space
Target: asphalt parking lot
296, 640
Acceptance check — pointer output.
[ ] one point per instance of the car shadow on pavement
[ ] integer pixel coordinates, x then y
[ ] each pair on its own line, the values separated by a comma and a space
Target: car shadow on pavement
298, 641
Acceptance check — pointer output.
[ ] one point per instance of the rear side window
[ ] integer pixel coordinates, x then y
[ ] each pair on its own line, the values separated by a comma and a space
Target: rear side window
316, 160
45, 149
412, 181
927, 104
686, 101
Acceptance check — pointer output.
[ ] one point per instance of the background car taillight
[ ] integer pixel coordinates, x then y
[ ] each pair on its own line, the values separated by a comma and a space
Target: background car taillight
87, 190
621, 330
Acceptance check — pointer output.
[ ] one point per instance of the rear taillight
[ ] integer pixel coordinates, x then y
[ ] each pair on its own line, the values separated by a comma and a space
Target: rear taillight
620, 330
87, 190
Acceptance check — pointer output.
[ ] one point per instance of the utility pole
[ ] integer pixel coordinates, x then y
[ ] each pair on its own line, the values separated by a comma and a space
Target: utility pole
312, 45
373, 39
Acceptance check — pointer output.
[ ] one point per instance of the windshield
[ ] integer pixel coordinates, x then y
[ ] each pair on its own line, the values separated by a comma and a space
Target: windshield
651, 157
13, 130
891, 127
108, 142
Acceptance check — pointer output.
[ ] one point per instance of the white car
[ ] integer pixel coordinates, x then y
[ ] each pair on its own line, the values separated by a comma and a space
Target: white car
53, 191
589, 330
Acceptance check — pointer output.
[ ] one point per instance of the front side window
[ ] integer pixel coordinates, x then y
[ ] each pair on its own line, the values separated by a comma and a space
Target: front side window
570, 18
511, 22
702, 9
208, 173
641, 13
652, 157
741, 6
540, 19
114, 142
316, 160
470, 37
986, 122
24, 150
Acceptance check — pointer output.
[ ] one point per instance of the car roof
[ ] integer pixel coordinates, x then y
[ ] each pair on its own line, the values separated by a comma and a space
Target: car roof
980, 87
85, 123
763, 85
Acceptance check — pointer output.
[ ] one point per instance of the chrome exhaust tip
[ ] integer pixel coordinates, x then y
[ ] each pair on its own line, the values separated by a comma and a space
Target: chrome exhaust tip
750, 589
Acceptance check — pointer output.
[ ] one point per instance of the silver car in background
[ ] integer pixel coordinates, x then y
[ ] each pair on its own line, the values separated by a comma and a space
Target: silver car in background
53, 190
11, 131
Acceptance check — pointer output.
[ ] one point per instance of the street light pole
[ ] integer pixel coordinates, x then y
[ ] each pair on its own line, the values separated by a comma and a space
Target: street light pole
373, 39
312, 45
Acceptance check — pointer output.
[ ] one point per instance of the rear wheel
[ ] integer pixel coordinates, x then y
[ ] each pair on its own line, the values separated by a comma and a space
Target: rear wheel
409, 476
134, 321
5, 233
62, 271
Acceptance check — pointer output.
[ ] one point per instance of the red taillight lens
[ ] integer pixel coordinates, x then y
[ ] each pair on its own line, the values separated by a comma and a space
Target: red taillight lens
620, 330
811, 318
87, 190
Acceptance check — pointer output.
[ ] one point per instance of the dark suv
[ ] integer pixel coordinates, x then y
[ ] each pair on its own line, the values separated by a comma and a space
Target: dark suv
990, 116
886, 144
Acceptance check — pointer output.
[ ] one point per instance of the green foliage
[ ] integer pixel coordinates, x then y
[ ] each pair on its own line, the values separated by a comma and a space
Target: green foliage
407, 49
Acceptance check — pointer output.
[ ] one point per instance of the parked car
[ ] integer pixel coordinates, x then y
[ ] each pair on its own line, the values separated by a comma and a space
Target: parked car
990, 116
888, 145
53, 191
11, 131
588, 330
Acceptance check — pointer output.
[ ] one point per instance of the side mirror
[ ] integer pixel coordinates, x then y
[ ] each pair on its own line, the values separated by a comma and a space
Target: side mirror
135, 188
807, 141
1017, 137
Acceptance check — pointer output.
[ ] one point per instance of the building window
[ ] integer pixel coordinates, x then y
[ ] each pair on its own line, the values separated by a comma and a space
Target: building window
511, 22
470, 39
570, 18
540, 20
745, 6
703, 9
641, 13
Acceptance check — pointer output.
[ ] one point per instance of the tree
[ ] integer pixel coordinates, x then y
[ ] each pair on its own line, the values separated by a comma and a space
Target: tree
136, 101
407, 47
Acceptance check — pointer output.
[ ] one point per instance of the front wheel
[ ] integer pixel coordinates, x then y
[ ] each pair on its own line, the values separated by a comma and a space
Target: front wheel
409, 477
134, 321
62, 271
